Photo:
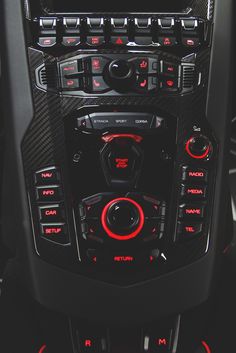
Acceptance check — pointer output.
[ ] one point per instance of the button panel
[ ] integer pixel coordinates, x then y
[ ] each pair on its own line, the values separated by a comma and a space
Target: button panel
88, 74
50, 206
117, 31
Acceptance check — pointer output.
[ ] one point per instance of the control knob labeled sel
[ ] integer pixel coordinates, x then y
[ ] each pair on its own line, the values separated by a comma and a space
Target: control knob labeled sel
199, 147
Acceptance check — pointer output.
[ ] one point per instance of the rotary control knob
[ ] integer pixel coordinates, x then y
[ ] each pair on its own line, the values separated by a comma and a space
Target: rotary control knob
199, 147
121, 75
122, 218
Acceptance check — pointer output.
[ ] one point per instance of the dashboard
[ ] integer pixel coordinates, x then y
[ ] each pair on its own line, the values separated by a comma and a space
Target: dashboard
119, 122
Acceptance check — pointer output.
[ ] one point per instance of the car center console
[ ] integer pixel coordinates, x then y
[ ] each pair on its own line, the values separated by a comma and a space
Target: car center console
120, 158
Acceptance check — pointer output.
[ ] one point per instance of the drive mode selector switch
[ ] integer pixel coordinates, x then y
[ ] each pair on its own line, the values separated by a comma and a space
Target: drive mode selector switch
122, 219
199, 147
121, 75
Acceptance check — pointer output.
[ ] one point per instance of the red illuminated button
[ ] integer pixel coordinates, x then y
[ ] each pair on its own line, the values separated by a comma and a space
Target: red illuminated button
194, 174
98, 64
191, 211
70, 41
123, 259
48, 193
167, 41
51, 213
95, 40
160, 342
98, 84
119, 40
47, 41
142, 65
47, 176
169, 83
193, 191
69, 68
191, 42
56, 232
71, 83
142, 83
170, 69
189, 230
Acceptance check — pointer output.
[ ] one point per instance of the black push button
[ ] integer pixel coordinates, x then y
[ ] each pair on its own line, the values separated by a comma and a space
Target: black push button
143, 25
190, 230
51, 213
46, 42
194, 174
56, 232
47, 23
166, 23
142, 65
142, 84
97, 84
169, 83
167, 41
47, 176
95, 40
189, 24
71, 83
70, 41
48, 193
95, 25
119, 25
169, 69
97, 64
71, 23
69, 68
84, 122
191, 211
193, 191
158, 342
191, 42
143, 40
119, 40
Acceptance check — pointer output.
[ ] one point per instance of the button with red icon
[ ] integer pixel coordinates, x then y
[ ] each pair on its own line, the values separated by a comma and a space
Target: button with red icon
95, 40
71, 83
193, 191
97, 84
167, 41
170, 69
97, 64
47, 176
191, 42
69, 68
142, 83
119, 40
70, 41
142, 65
169, 83
46, 42
194, 174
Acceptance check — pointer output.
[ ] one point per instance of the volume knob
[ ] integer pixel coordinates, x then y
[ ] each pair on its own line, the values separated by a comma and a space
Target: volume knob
199, 147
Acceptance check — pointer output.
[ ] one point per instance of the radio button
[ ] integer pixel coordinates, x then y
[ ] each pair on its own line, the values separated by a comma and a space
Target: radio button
194, 174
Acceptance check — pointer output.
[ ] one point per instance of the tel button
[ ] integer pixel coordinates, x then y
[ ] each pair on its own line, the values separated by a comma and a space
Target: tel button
51, 213
189, 230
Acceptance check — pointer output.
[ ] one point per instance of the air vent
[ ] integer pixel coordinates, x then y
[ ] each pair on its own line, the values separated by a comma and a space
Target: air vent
46, 77
188, 77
